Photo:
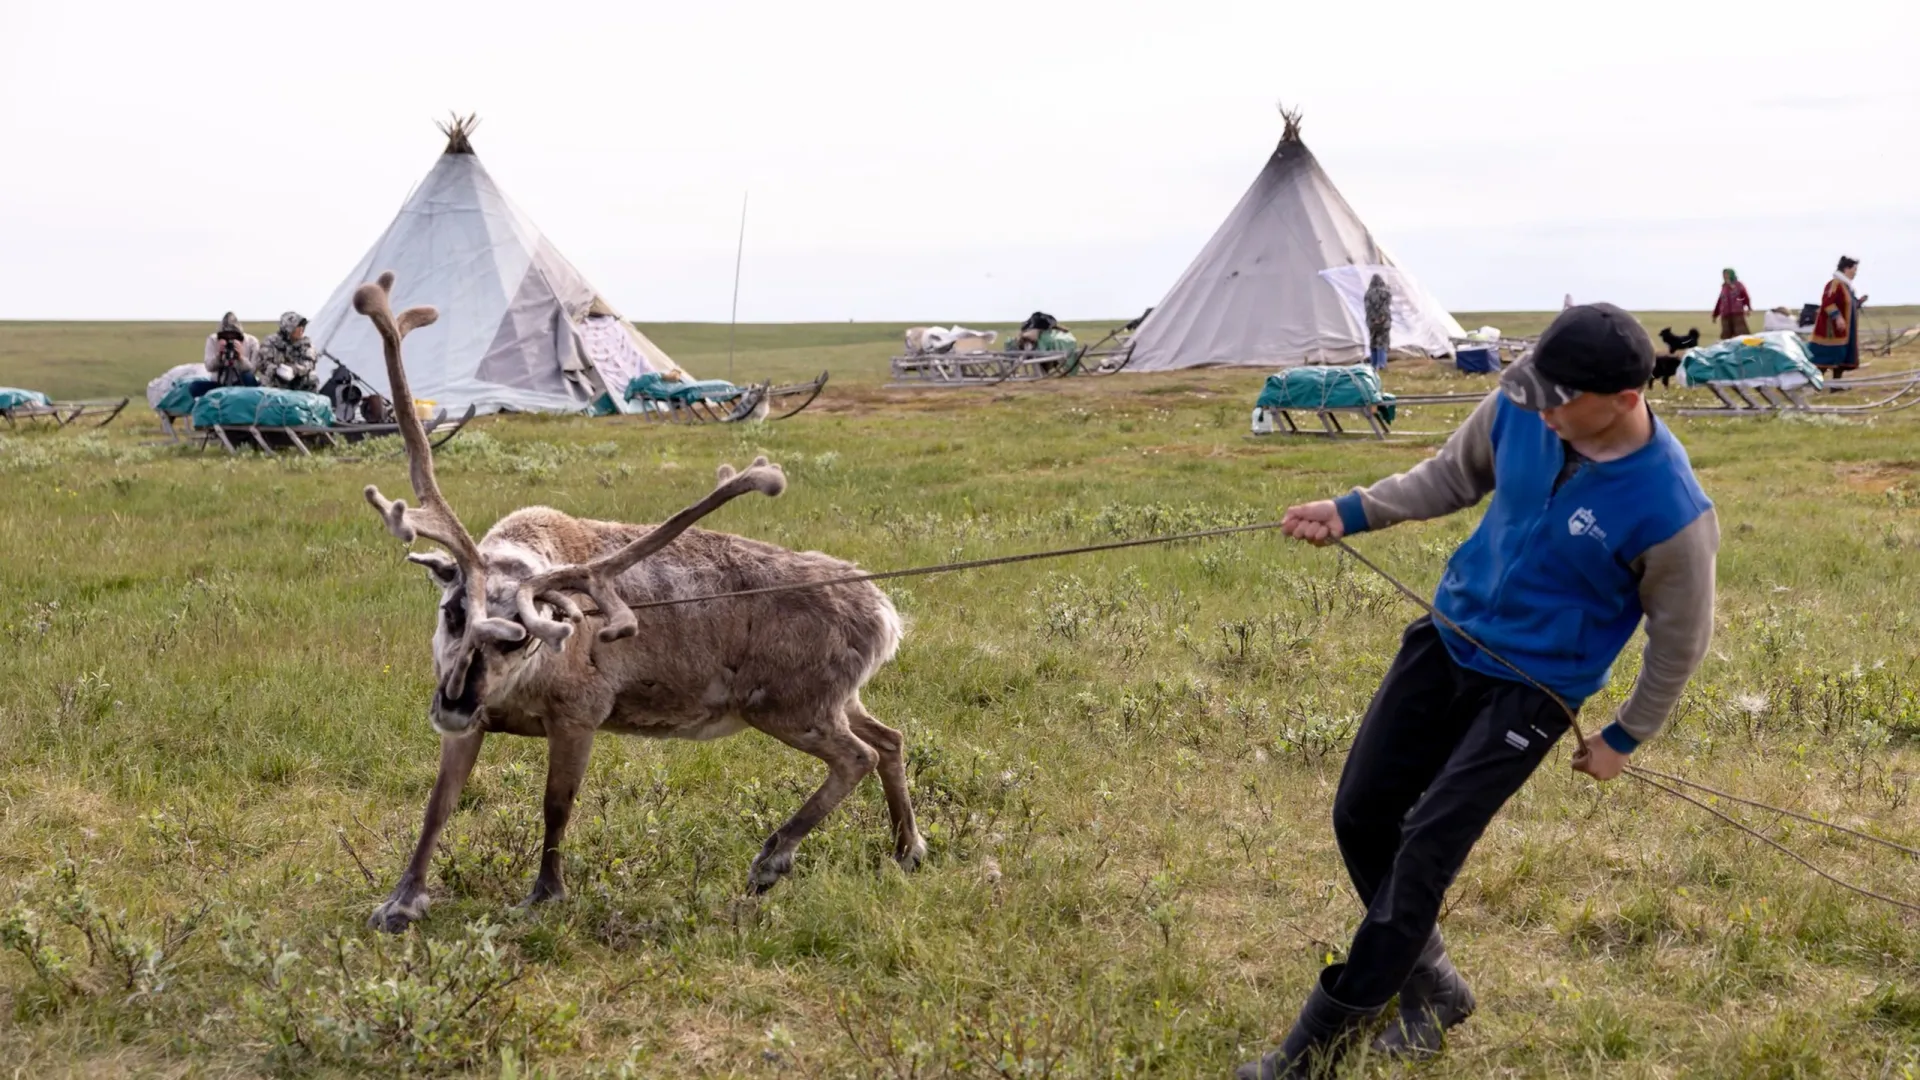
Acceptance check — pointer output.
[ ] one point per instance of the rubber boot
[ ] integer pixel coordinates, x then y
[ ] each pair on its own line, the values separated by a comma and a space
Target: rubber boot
1433, 999
1326, 1029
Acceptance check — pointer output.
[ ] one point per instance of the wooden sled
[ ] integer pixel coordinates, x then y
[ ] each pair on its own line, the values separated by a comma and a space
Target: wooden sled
1330, 425
271, 438
759, 401
979, 368
1774, 401
1370, 417
64, 413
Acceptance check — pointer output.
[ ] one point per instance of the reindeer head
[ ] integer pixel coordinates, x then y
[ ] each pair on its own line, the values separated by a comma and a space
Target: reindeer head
484, 627
471, 664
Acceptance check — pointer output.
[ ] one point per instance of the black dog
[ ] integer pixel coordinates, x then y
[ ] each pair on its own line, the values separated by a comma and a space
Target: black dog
1666, 364
1664, 368
1678, 343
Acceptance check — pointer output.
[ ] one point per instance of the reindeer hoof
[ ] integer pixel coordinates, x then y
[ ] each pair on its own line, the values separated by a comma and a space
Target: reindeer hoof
545, 892
767, 871
398, 913
911, 858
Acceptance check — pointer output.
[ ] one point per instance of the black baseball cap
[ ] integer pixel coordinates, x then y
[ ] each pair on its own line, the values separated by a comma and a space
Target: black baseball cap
1591, 348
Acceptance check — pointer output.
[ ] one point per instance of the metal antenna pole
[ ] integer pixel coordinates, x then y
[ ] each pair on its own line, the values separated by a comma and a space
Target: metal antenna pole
734, 317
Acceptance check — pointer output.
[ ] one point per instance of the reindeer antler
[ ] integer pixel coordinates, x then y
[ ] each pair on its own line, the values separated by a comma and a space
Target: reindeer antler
434, 519
596, 578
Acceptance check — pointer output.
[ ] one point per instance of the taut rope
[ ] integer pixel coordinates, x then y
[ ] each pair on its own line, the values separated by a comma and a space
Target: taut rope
1658, 780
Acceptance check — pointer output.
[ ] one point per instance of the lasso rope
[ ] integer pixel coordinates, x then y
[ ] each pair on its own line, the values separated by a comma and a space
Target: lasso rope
1652, 778
975, 564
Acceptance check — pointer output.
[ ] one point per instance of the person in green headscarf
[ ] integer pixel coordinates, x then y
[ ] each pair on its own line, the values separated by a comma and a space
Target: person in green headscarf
1733, 305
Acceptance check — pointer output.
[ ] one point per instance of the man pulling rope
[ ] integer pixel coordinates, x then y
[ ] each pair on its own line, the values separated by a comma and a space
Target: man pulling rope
1595, 522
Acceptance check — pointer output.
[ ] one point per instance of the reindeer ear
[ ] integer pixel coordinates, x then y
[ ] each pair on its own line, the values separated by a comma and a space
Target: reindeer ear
439, 564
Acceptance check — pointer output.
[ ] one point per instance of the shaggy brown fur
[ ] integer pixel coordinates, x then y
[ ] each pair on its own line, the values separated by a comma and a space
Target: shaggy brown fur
508, 660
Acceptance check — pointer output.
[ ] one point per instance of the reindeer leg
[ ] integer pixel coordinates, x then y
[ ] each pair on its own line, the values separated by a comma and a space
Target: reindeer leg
568, 750
908, 846
848, 760
408, 901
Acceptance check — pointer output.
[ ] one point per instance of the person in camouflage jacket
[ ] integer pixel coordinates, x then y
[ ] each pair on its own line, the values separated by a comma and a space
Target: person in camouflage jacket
1379, 320
288, 348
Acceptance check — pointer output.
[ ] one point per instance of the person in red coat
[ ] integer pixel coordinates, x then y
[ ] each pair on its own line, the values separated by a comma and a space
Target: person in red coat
1733, 305
1836, 330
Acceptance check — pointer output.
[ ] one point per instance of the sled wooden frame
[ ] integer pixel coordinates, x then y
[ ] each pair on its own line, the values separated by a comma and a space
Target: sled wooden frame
1373, 416
235, 437
743, 406
978, 368
64, 413
993, 368
1775, 401
1093, 360
1330, 425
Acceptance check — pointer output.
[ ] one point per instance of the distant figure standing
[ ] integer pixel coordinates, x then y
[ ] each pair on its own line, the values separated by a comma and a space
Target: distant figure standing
1379, 321
1732, 307
1836, 330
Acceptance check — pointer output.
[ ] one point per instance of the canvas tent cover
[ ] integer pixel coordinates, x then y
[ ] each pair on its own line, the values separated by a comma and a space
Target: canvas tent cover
1255, 296
1326, 388
1779, 358
270, 408
519, 327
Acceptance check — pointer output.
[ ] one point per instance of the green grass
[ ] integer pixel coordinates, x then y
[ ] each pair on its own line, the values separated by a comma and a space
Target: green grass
214, 672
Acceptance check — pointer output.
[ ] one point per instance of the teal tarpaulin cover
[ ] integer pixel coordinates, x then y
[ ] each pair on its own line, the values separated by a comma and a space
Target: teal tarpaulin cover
257, 405
1326, 388
11, 398
1057, 341
653, 386
178, 400
1778, 358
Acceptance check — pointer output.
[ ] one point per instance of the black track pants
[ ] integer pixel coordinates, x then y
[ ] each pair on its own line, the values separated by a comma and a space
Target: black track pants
1442, 748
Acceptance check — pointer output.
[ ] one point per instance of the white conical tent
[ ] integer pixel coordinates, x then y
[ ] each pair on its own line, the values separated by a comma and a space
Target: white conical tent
1269, 289
519, 327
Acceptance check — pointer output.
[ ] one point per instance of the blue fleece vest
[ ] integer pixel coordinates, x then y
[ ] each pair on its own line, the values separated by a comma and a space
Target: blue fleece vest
1546, 580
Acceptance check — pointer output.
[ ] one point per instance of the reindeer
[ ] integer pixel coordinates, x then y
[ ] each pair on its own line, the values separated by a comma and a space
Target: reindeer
507, 657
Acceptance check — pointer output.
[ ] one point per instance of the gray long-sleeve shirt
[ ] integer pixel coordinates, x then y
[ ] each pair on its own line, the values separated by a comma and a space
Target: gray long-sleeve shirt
1676, 575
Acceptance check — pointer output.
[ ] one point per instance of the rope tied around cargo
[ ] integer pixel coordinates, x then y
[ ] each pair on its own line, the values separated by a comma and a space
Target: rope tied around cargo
1660, 781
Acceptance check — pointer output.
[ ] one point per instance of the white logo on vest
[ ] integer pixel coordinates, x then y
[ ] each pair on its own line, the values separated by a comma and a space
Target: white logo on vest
1582, 523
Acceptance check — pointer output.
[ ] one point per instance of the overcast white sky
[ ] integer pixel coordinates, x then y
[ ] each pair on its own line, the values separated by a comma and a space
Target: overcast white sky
955, 161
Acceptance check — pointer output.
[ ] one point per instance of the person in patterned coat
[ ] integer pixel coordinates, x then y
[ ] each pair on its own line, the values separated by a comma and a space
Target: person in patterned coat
1836, 330
1379, 300
286, 358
